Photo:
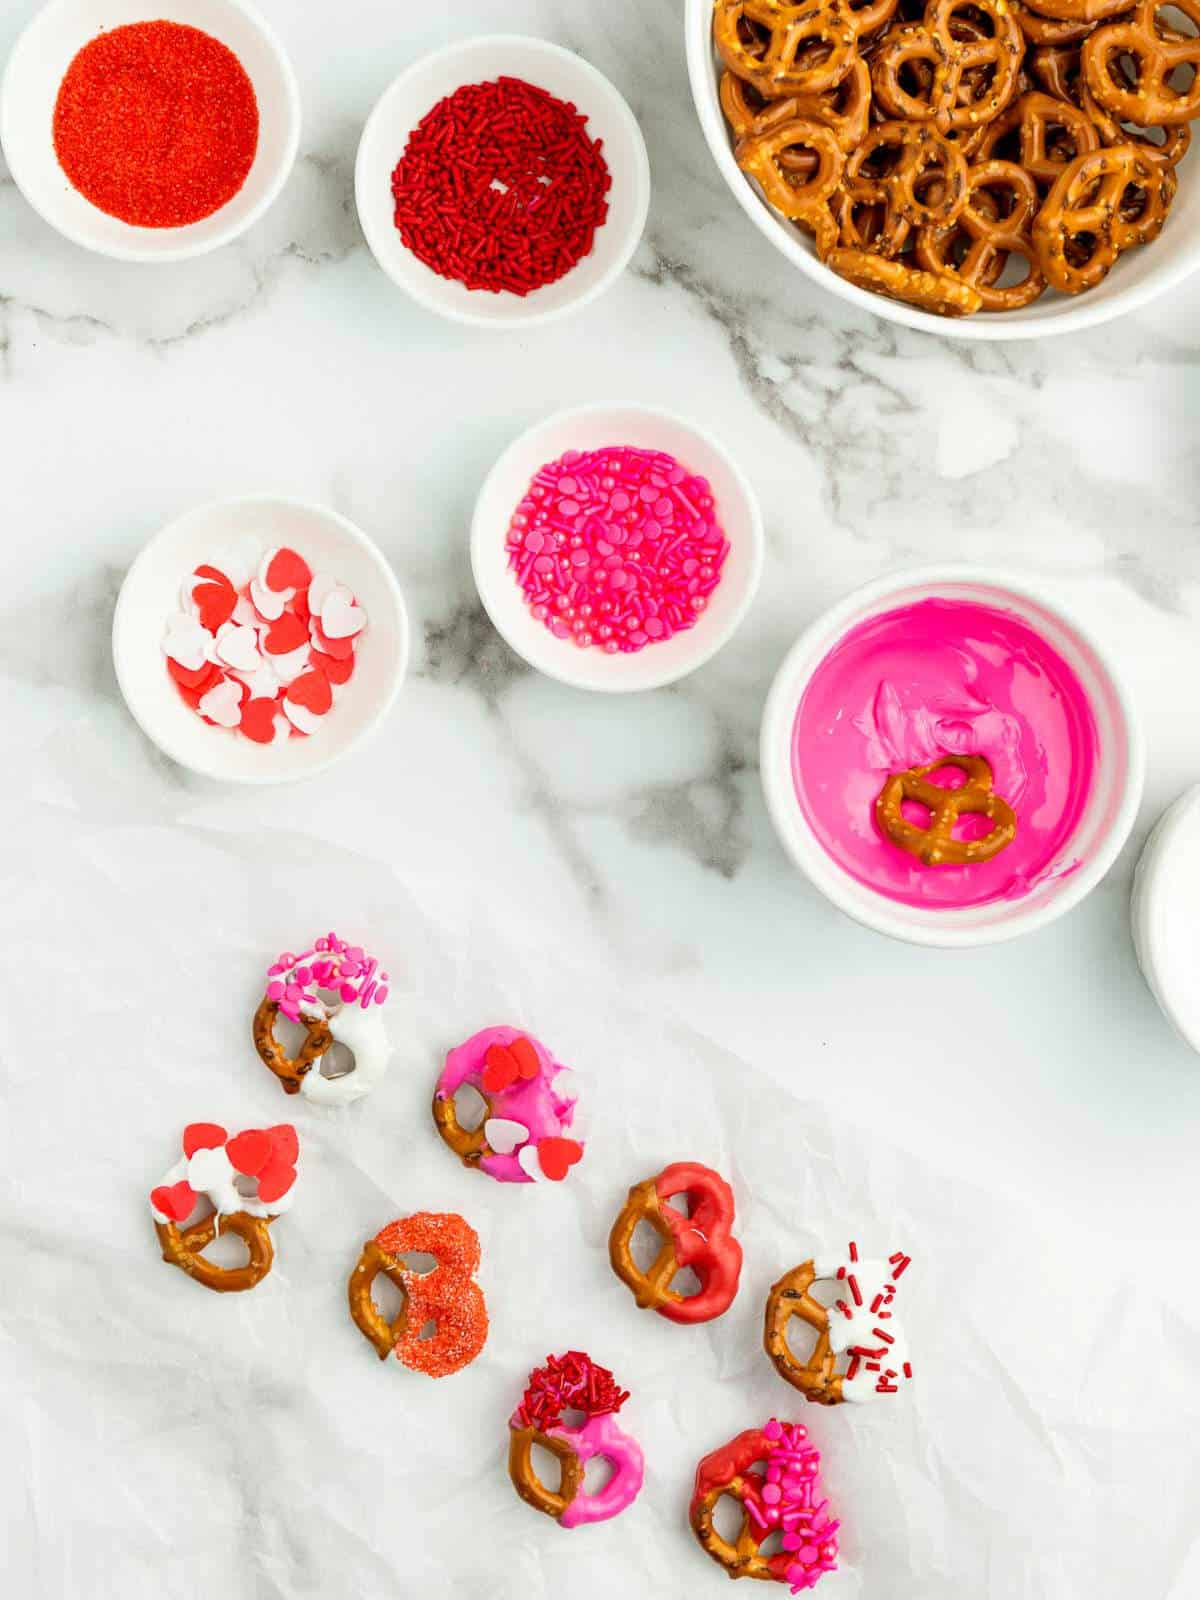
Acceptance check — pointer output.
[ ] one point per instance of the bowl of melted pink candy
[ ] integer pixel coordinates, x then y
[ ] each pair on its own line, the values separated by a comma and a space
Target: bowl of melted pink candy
616, 548
260, 640
950, 758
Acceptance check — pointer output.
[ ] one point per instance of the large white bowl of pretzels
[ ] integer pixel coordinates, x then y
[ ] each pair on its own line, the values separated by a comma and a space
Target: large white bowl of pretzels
974, 167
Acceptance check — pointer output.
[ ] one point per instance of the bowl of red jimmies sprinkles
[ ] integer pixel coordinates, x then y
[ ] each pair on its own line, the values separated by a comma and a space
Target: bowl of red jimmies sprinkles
616, 547
149, 133
502, 182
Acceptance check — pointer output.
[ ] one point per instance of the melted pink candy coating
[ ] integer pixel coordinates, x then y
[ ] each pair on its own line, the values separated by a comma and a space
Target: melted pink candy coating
945, 677
530, 1101
600, 1436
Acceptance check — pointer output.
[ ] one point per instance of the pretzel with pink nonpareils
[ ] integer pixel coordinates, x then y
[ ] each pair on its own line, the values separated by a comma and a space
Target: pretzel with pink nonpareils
333, 991
248, 1180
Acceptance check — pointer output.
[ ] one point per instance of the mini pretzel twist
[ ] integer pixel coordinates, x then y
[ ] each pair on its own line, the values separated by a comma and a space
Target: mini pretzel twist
1083, 12
1047, 30
1050, 133
1059, 71
1088, 219
816, 1378
702, 1241
1129, 65
916, 174
992, 233
800, 198
183, 1247
447, 1295
290, 1070
786, 49
727, 1472
972, 74
936, 845
551, 1502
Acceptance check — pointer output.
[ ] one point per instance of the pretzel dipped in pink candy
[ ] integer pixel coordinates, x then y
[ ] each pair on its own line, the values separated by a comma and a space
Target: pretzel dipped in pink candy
248, 1179
333, 990
523, 1136
573, 1382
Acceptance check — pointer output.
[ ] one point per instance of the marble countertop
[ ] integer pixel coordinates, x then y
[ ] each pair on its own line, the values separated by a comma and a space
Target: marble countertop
625, 839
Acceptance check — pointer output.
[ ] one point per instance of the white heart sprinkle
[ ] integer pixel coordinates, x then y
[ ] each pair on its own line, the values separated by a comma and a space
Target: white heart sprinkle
267, 602
238, 647
531, 1163
301, 717
223, 704
319, 590
261, 684
340, 617
289, 667
187, 642
244, 612
503, 1135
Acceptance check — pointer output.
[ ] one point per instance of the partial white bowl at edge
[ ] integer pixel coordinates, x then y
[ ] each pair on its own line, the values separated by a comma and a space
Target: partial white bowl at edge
1102, 830
593, 428
151, 593
1138, 277
29, 90
561, 73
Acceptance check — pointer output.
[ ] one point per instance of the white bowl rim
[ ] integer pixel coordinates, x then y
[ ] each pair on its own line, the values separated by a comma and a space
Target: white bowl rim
1077, 314
357, 536
876, 911
624, 113
1143, 900
720, 637
181, 252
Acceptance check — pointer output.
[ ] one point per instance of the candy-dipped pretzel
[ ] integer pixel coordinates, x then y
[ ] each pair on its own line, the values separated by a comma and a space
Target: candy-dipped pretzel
791, 1298
290, 1070
702, 1241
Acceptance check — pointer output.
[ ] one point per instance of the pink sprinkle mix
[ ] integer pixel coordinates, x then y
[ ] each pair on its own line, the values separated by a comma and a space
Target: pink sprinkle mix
616, 548
787, 1501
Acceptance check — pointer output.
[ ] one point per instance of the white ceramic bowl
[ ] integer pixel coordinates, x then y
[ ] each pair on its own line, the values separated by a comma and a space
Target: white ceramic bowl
150, 594
1137, 278
1166, 930
418, 89
30, 87
1102, 830
592, 428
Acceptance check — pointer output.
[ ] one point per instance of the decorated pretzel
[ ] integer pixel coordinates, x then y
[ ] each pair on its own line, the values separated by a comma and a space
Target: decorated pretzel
786, 49
935, 844
333, 991
702, 1240
991, 232
522, 1137
248, 1180
972, 78
859, 1351
1129, 65
938, 292
781, 1499
573, 1383
446, 1296
1086, 221
914, 173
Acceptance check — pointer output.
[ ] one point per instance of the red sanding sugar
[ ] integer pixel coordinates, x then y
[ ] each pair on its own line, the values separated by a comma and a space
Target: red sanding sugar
501, 188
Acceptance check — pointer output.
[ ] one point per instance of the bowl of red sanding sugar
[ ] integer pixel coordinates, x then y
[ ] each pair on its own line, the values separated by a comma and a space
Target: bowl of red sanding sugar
299, 631
616, 548
502, 182
149, 132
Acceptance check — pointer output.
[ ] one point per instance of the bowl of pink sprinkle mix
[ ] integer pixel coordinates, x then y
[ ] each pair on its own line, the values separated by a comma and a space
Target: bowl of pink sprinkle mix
616, 548
502, 181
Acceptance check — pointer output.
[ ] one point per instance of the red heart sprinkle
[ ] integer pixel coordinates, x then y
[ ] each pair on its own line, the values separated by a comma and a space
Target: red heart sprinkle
338, 671
500, 1068
175, 1202
250, 1151
285, 635
299, 604
258, 720
276, 1178
527, 1058
288, 570
341, 649
311, 690
557, 1156
284, 1142
215, 575
201, 678
214, 603
202, 1136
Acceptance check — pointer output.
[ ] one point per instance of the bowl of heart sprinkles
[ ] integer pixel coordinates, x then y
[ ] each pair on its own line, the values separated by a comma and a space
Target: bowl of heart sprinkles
616, 548
259, 640
502, 182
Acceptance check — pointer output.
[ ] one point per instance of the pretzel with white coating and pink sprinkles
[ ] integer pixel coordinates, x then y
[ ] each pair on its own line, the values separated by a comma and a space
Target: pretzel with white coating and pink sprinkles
332, 990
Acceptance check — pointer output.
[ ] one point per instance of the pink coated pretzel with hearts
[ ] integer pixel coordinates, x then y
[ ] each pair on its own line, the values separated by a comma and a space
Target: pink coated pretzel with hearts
262, 644
523, 1136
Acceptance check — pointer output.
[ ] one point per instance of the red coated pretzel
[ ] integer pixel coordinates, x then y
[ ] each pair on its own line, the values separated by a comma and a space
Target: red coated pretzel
447, 1295
702, 1241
